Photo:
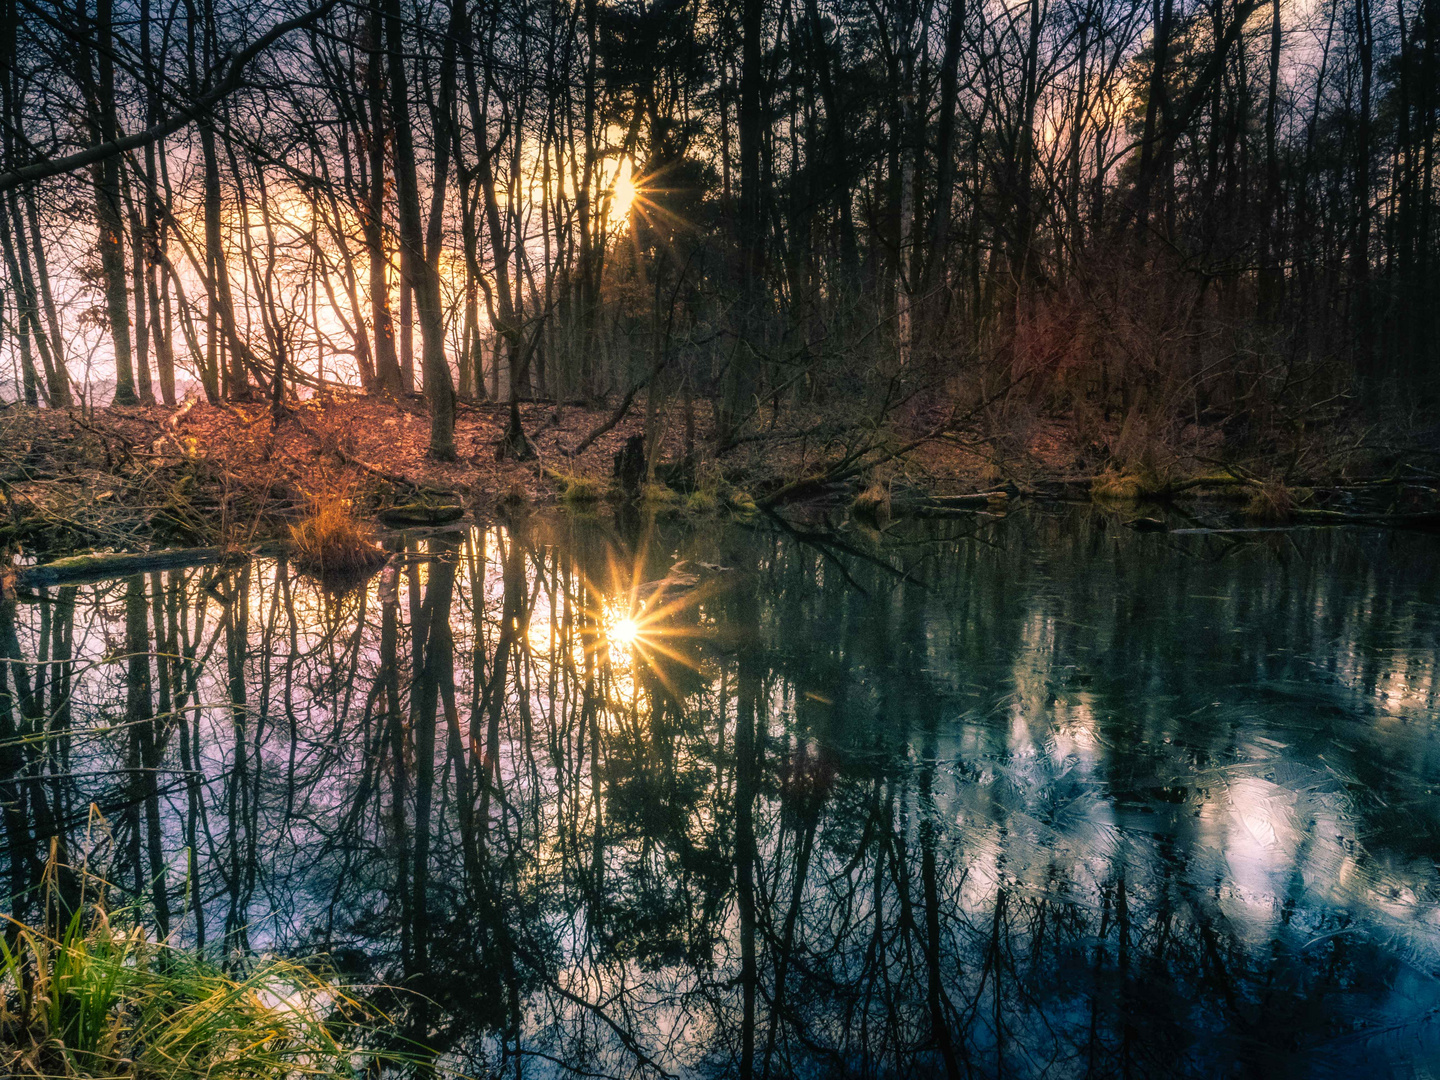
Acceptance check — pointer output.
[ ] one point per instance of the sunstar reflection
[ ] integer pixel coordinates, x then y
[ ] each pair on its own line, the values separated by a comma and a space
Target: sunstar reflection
652, 626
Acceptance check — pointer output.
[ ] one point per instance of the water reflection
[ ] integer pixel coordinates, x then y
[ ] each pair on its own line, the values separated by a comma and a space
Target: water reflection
1024, 798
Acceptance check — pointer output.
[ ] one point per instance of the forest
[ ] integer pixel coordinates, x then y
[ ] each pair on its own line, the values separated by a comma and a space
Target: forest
675, 538
1201, 223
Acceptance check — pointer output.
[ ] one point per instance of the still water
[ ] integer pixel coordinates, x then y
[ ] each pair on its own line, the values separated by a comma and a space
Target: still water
1023, 797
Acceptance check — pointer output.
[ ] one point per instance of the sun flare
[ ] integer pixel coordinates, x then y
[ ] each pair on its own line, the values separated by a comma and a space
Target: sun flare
624, 631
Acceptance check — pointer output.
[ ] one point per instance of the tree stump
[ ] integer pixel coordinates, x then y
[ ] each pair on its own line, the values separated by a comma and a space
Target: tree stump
630, 466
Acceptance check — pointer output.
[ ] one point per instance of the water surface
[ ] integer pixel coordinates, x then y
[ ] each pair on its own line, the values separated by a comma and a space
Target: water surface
1022, 797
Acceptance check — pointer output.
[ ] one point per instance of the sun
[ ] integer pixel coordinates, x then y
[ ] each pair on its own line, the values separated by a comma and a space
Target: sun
624, 631
625, 189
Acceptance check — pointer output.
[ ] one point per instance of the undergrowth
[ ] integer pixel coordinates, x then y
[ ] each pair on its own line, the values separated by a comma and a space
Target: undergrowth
1270, 501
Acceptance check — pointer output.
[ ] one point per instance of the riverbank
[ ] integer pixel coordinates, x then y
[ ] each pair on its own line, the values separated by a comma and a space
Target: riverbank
197, 474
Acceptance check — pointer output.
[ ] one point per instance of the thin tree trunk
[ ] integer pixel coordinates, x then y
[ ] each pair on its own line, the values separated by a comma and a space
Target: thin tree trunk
387, 362
424, 279
106, 179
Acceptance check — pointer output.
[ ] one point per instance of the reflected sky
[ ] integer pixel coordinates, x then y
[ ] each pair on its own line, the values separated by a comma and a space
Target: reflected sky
1024, 797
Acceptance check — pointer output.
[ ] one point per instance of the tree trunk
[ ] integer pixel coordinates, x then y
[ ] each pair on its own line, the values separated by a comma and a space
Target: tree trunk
60, 394
740, 380
387, 362
424, 279
1272, 278
934, 262
106, 179
142, 316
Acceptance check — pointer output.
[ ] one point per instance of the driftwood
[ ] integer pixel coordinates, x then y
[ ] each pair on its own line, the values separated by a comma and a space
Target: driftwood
1146, 524
1429, 519
1300, 518
952, 502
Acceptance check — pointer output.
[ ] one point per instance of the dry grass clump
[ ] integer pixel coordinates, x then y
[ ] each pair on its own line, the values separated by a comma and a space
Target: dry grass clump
1270, 500
332, 541
1124, 485
873, 505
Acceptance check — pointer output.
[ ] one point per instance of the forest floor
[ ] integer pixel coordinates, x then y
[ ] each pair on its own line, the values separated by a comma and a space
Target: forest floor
132, 478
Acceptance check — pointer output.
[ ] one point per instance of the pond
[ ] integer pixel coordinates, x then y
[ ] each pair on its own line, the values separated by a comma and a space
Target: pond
1023, 796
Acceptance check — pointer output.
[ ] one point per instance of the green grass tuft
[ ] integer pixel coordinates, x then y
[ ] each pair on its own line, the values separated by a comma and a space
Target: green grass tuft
100, 999
741, 503
658, 495
701, 502
579, 490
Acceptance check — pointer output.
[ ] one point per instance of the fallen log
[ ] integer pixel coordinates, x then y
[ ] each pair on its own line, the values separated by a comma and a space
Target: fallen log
78, 569
421, 514
181, 414
948, 505
1428, 519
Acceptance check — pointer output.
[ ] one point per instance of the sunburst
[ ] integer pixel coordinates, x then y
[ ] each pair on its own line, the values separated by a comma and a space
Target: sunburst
643, 196
623, 631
